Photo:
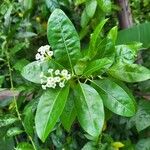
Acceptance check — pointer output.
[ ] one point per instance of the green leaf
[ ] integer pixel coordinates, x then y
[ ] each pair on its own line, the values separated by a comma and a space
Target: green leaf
69, 113
139, 33
90, 111
52, 4
89, 146
50, 107
127, 53
115, 98
7, 120
143, 144
14, 131
88, 12
91, 7
95, 39
32, 71
105, 5
113, 34
1, 80
28, 4
99, 66
142, 118
63, 39
24, 146
129, 72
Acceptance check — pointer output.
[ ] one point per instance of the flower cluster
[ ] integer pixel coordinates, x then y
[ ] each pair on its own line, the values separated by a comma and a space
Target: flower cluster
54, 78
44, 53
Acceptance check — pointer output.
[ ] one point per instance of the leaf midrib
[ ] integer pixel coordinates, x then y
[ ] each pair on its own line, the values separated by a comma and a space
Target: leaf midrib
51, 110
112, 96
87, 104
66, 47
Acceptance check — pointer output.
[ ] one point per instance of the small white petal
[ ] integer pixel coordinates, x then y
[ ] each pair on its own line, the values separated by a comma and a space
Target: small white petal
68, 76
61, 84
64, 72
50, 70
37, 56
53, 85
57, 79
50, 53
57, 72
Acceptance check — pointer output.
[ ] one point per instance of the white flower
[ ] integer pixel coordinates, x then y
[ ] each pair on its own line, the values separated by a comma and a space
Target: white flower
37, 56
57, 79
50, 53
64, 72
44, 87
50, 70
50, 79
68, 76
53, 85
57, 72
61, 84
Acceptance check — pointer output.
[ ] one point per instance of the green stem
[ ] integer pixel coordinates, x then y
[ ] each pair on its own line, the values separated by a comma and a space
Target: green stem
14, 97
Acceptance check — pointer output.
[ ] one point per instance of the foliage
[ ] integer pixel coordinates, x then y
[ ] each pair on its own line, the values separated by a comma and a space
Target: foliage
85, 94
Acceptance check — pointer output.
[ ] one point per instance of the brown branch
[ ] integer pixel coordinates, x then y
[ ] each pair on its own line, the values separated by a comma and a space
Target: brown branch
124, 15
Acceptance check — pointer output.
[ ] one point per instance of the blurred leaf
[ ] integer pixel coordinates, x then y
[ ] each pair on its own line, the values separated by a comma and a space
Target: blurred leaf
1, 80
14, 131
139, 33
24, 146
52, 4
129, 72
90, 113
89, 146
20, 64
114, 97
143, 144
7, 120
26, 35
27, 4
113, 34
105, 5
7, 143
142, 118
63, 39
50, 107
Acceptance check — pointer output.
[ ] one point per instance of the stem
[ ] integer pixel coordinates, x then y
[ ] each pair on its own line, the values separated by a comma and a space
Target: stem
14, 97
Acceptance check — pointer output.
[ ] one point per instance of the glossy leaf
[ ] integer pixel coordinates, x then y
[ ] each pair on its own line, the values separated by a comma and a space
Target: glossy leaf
63, 39
69, 113
115, 98
90, 111
139, 33
99, 66
50, 107
130, 72
95, 39
142, 118
32, 71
